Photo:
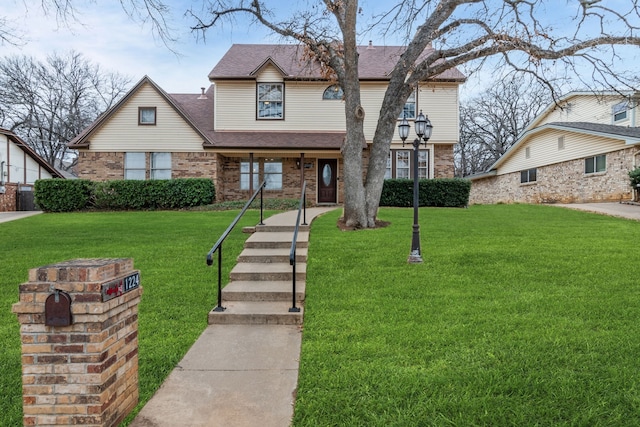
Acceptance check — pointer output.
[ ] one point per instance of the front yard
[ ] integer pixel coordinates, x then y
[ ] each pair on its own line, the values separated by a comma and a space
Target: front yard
520, 315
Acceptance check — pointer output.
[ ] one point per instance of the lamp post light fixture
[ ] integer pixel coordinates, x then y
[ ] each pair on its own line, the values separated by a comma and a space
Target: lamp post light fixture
423, 130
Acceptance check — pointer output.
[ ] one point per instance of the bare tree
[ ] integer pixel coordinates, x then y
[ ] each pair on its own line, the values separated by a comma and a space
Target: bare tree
461, 32
585, 38
48, 104
491, 122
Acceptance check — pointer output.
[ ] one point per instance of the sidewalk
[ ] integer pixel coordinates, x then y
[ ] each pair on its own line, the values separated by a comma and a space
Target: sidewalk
234, 375
11, 216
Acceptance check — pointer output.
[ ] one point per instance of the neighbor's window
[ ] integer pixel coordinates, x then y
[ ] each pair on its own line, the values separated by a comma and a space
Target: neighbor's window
245, 173
135, 166
619, 111
160, 166
409, 110
147, 115
529, 175
561, 143
402, 164
333, 92
595, 164
423, 164
270, 100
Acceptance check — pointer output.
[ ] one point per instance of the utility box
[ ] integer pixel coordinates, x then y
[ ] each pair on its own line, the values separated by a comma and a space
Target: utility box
79, 331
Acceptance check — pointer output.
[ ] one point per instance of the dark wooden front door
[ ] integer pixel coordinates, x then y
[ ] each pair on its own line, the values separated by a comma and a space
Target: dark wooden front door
327, 180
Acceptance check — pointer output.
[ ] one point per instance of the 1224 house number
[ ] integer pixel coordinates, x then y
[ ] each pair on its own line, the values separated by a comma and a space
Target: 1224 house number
120, 287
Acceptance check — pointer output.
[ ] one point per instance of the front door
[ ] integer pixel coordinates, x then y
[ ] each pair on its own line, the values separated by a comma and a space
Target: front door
327, 180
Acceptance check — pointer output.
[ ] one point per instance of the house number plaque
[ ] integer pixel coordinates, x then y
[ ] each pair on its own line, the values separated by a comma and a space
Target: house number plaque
115, 288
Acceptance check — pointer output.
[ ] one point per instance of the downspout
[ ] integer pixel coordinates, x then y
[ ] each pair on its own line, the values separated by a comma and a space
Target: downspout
2, 187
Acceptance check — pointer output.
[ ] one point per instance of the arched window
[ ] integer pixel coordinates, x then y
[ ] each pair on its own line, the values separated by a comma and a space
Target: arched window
333, 92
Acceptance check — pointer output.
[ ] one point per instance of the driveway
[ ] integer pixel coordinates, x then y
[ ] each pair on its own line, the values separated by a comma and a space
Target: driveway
622, 210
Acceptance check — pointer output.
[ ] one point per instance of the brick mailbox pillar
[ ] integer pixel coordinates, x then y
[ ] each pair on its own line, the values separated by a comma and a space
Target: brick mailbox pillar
79, 331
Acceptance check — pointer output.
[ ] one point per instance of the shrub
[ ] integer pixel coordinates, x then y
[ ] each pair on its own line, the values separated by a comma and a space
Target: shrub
62, 195
439, 192
634, 177
59, 195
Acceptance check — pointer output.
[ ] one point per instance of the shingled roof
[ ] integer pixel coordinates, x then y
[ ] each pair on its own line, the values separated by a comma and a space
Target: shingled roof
243, 61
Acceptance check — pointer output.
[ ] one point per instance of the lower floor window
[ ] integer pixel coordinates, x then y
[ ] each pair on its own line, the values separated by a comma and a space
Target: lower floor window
160, 165
529, 175
595, 164
399, 164
402, 164
135, 166
269, 170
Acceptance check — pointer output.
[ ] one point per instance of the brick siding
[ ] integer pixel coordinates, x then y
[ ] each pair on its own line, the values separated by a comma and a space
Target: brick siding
563, 182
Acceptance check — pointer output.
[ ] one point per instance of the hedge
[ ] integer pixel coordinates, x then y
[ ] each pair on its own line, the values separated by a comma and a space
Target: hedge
439, 192
62, 195
127, 194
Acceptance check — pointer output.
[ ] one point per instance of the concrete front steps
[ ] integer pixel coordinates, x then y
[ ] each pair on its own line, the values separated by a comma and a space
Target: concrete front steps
261, 283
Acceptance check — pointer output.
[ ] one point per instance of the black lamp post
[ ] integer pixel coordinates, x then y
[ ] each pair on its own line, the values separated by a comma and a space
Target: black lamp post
423, 130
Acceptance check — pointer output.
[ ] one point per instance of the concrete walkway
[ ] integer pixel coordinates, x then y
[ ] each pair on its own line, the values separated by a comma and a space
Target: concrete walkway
234, 375
12, 216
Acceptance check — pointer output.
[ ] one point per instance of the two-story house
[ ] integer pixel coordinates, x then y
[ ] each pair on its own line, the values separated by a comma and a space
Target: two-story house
580, 149
20, 167
270, 114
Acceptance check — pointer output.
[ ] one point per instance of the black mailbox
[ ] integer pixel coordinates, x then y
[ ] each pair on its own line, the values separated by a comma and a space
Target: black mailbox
57, 309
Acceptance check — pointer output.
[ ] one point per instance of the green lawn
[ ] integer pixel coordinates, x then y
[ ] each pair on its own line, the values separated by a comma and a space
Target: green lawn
520, 315
169, 249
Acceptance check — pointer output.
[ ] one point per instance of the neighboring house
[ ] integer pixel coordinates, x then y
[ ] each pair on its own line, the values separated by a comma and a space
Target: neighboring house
20, 167
268, 115
580, 149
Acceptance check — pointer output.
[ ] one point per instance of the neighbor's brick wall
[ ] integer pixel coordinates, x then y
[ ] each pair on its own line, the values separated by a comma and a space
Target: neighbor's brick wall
563, 182
8, 200
443, 161
85, 373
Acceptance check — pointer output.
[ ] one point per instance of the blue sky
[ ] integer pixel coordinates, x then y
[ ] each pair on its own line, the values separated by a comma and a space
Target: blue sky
104, 34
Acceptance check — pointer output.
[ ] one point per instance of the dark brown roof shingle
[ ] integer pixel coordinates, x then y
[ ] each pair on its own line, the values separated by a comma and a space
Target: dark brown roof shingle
242, 61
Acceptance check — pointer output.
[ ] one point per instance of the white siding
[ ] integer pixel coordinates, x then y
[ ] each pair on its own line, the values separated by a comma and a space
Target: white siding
21, 167
543, 149
587, 108
122, 132
305, 110
269, 74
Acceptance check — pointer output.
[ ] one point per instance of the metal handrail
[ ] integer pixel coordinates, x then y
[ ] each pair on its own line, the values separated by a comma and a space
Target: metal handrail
292, 255
218, 245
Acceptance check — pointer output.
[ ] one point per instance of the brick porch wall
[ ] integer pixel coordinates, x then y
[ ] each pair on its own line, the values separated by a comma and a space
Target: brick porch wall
560, 183
443, 161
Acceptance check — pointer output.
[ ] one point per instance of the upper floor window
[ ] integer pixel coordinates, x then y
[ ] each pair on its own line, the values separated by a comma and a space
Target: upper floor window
333, 92
595, 164
619, 111
409, 109
270, 100
146, 115
529, 175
